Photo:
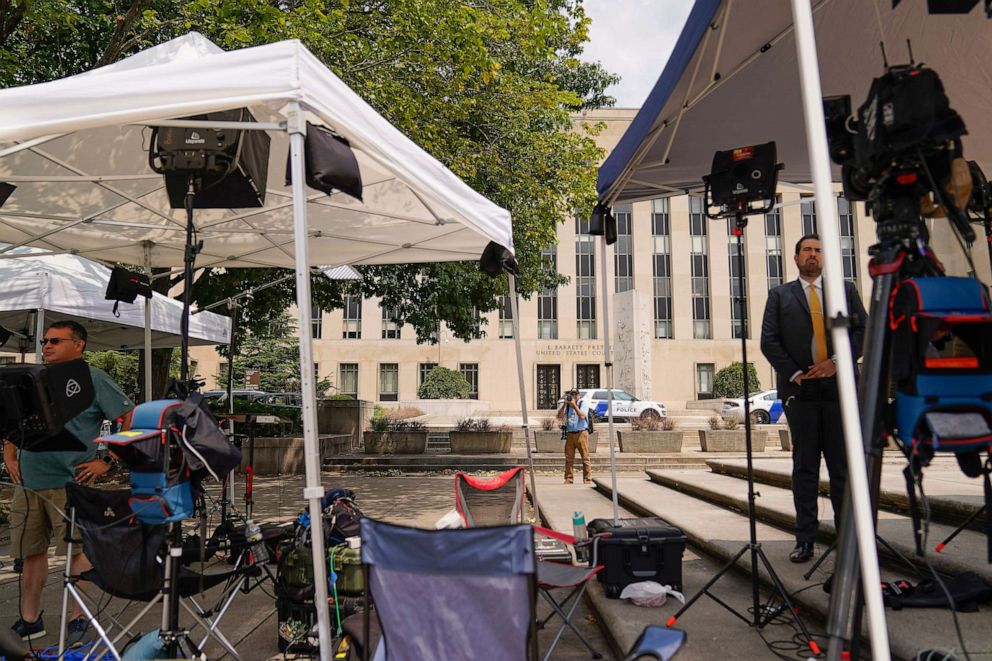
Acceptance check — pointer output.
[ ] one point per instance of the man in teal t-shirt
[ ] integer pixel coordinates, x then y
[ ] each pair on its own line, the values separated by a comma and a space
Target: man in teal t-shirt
35, 512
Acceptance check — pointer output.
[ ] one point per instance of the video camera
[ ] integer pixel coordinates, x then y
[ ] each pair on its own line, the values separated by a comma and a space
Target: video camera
901, 147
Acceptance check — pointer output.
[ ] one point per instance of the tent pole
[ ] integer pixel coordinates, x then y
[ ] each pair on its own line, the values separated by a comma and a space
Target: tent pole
857, 481
39, 332
148, 326
608, 363
296, 127
515, 310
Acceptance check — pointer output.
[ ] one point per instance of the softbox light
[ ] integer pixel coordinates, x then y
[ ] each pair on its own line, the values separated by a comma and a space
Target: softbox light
495, 259
603, 223
330, 163
4, 335
5, 191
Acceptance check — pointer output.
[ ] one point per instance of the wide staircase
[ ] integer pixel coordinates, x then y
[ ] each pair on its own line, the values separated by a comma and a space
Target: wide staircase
710, 507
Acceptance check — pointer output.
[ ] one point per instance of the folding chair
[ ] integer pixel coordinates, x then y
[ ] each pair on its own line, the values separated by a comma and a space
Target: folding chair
499, 501
126, 559
493, 501
450, 594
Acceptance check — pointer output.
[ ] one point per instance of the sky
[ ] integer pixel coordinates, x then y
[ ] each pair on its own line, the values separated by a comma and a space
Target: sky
633, 38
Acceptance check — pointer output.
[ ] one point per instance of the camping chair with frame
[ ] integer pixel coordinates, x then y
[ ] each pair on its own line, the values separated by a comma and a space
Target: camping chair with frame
500, 500
125, 555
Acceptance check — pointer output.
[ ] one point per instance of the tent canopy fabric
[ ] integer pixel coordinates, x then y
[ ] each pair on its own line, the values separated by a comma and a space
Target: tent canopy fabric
67, 287
733, 80
77, 151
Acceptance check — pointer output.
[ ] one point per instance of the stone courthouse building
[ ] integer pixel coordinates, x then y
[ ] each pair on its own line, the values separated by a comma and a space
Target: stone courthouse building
673, 292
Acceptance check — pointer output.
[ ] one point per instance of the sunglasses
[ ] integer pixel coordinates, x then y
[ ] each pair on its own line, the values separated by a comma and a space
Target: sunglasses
55, 341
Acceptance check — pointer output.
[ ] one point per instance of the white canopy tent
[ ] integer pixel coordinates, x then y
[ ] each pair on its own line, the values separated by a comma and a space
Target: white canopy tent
731, 81
76, 149
67, 287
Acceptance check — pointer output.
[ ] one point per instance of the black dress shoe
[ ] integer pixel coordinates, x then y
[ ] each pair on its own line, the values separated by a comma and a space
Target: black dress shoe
802, 553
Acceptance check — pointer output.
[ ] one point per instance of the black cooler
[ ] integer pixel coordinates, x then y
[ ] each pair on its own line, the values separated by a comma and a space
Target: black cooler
646, 549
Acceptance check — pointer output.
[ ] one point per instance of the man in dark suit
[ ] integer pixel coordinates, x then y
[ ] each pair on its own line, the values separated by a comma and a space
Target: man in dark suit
796, 341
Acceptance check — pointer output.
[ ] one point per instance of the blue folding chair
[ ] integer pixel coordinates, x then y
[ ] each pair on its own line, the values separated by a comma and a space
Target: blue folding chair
450, 594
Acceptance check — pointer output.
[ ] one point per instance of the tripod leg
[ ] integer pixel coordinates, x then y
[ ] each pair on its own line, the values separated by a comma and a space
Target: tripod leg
716, 577
821, 560
814, 648
959, 529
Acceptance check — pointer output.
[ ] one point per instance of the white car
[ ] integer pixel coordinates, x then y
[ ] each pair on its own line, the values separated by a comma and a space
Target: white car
766, 407
625, 405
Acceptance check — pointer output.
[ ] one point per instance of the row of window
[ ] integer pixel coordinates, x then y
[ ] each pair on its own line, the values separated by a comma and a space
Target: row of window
623, 256
389, 379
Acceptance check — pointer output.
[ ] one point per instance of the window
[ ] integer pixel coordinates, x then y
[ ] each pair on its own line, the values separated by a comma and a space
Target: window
848, 254
316, 322
704, 381
586, 376
622, 396
623, 250
348, 379
389, 380
699, 269
471, 373
734, 247
547, 302
662, 268
585, 281
422, 371
773, 247
390, 329
808, 207
505, 317
352, 317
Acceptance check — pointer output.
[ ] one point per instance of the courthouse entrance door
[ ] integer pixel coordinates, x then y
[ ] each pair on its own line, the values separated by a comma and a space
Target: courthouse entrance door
548, 386
586, 376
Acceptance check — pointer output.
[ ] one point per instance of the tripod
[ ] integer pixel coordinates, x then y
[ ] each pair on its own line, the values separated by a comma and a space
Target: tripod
761, 615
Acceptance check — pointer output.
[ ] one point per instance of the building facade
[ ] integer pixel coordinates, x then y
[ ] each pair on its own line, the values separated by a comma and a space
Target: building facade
672, 283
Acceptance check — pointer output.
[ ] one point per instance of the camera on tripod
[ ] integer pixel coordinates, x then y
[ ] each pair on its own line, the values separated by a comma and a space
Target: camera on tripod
901, 147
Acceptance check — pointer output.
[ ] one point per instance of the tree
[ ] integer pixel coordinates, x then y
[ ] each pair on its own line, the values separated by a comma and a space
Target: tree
273, 350
442, 383
728, 381
121, 367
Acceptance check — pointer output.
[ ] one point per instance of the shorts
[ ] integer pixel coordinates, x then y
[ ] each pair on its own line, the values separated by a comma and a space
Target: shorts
34, 517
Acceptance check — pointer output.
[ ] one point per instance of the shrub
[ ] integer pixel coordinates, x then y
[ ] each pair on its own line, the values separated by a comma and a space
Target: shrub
549, 424
340, 395
715, 423
668, 424
728, 381
474, 424
379, 424
402, 413
730, 423
442, 383
645, 424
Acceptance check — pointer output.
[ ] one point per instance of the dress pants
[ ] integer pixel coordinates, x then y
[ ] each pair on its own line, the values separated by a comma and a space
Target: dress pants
816, 428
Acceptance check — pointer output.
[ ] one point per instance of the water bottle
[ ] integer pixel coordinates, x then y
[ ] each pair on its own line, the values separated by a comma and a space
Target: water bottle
253, 537
581, 537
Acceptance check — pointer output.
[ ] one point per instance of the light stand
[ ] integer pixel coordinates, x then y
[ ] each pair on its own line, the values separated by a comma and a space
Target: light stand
761, 615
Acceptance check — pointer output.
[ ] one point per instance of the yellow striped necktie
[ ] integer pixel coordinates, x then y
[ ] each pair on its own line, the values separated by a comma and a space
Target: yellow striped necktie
819, 329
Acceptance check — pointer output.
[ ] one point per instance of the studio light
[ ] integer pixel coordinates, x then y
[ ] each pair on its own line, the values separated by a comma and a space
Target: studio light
603, 223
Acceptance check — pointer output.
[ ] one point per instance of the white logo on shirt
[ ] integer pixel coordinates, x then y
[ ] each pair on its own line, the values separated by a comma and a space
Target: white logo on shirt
72, 388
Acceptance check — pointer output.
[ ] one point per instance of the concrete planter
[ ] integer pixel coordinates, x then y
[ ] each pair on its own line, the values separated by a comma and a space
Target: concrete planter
727, 440
650, 442
395, 442
549, 441
281, 455
785, 438
480, 442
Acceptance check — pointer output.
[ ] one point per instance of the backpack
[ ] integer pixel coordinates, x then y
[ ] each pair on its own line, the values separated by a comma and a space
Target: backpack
942, 369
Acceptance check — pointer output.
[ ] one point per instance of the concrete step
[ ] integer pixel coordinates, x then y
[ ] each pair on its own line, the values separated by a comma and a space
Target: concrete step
775, 507
498, 462
722, 533
953, 496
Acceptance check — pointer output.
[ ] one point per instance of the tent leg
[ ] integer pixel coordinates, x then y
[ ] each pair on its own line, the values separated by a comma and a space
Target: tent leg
857, 480
39, 332
296, 126
148, 327
608, 363
512, 281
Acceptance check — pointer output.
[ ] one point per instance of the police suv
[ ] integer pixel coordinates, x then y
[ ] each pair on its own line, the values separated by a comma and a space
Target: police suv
625, 405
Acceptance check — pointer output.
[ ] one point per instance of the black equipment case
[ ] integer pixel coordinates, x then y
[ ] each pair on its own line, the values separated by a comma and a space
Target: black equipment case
646, 549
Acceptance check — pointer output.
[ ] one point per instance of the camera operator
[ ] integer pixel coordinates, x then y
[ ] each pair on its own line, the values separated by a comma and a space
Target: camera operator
36, 511
575, 414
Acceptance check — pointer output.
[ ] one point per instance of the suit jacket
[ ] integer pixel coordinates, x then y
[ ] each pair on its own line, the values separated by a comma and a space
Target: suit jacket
787, 332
